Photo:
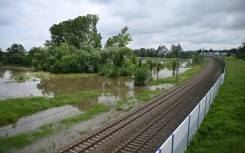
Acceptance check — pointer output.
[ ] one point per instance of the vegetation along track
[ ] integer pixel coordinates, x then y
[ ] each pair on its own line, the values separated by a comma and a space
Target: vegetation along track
145, 128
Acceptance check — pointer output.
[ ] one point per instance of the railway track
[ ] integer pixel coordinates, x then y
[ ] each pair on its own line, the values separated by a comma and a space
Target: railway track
133, 132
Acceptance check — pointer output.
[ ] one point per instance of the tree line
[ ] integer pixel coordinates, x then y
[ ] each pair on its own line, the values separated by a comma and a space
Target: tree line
75, 47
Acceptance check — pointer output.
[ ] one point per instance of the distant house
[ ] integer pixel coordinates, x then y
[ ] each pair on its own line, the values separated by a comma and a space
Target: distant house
162, 49
174, 48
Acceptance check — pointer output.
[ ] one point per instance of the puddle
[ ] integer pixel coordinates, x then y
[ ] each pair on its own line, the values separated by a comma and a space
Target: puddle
112, 90
107, 98
165, 86
56, 141
33, 122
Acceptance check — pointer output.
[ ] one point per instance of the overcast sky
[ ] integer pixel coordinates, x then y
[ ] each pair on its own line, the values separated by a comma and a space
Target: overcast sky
195, 24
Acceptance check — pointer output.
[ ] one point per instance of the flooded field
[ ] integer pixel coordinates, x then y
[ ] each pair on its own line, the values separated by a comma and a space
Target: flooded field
15, 84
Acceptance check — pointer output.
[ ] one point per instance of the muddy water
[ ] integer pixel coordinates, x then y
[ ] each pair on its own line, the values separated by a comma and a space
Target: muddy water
112, 90
12, 87
33, 122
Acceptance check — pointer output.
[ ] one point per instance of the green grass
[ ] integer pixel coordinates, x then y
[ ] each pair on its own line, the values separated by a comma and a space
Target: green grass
23, 139
13, 109
182, 77
90, 113
128, 103
83, 132
223, 129
44, 75
18, 67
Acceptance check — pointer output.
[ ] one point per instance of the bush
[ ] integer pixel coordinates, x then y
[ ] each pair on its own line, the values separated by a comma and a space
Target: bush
123, 71
113, 73
141, 76
198, 59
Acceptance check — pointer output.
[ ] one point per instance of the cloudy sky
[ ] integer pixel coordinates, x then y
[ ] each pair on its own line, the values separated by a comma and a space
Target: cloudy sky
195, 24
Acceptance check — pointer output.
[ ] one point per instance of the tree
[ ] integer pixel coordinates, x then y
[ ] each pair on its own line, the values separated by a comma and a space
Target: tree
121, 40
15, 54
159, 67
76, 31
1, 55
198, 59
150, 63
142, 76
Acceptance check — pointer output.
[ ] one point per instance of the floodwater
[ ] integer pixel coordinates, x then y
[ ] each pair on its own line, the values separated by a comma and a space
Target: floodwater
32, 122
112, 90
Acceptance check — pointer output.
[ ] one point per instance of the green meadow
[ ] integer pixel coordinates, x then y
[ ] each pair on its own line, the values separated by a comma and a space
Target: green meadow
223, 129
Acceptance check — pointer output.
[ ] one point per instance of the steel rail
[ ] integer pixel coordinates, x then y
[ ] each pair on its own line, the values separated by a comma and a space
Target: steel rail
161, 121
125, 121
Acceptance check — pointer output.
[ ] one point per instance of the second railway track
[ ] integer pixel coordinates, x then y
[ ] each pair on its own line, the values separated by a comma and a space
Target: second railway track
135, 132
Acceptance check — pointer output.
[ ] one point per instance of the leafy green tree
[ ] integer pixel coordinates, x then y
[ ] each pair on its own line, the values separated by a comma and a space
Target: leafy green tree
75, 31
198, 59
240, 53
40, 57
159, 67
142, 76
121, 40
15, 54
1, 55
150, 63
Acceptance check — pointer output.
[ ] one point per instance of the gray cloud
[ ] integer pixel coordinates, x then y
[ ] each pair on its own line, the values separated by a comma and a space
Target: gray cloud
216, 24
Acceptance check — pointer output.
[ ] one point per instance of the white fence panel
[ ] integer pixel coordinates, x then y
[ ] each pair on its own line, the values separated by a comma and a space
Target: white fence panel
216, 87
179, 140
201, 111
212, 94
193, 125
209, 98
167, 146
180, 137
207, 104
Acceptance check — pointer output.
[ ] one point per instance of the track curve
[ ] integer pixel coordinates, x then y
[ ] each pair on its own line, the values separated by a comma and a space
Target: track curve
141, 129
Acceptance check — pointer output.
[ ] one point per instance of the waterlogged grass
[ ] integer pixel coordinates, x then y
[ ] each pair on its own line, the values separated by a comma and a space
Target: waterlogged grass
44, 75
23, 139
13, 109
182, 77
128, 103
90, 113
223, 129
18, 67
17, 141
83, 132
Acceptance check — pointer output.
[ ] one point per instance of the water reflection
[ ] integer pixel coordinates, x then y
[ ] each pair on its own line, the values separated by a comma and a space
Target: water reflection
12, 87
33, 122
165, 86
112, 90
61, 86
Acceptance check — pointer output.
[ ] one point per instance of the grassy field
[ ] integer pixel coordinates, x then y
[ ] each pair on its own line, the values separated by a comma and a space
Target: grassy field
23, 139
182, 77
127, 104
13, 109
223, 129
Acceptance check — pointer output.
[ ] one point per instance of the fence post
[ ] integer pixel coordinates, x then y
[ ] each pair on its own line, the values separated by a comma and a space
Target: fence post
172, 150
188, 132
205, 109
198, 115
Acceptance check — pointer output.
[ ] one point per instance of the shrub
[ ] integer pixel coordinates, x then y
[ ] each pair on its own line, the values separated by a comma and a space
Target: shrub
198, 59
141, 76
